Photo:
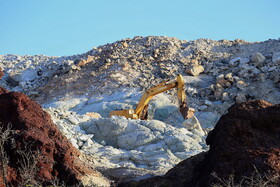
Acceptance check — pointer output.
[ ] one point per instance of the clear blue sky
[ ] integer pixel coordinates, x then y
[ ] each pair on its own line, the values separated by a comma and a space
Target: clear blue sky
68, 27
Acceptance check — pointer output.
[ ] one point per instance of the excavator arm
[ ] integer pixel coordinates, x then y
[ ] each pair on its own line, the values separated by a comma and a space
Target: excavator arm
185, 111
141, 110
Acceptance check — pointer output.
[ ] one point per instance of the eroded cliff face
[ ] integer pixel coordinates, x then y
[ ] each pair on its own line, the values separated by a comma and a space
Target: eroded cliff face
37, 152
244, 143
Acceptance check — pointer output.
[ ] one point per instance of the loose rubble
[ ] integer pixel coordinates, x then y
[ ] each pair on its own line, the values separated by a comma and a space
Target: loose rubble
79, 91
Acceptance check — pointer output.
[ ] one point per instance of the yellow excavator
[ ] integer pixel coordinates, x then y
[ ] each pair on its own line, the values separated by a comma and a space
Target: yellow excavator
141, 111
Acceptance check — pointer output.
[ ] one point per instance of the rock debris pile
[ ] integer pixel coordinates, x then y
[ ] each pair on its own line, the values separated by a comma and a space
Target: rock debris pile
79, 92
120, 143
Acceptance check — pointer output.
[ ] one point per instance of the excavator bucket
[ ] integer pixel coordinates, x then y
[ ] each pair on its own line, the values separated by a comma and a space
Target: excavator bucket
144, 113
187, 112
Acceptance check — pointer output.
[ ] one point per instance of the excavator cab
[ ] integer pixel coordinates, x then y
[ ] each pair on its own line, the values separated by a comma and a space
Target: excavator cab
141, 111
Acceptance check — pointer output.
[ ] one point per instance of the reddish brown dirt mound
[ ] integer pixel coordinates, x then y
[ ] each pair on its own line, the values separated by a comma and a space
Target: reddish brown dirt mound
35, 133
245, 139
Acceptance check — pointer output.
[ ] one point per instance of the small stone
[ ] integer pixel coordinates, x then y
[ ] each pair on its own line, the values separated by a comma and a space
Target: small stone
234, 62
240, 98
207, 102
232, 95
202, 107
208, 67
69, 62
88, 144
74, 67
244, 60
194, 61
264, 69
276, 79
255, 71
218, 87
235, 78
74, 142
222, 81
103, 142
62, 128
276, 58
125, 44
207, 119
80, 63
195, 70
229, 77
257, 58
93, 115
192, 123
273, 74
72, 120
108, 60
225, 96
272, 68
228, 84
218, 94
212, 87
84, 62
80, 144
85, 137
22, 84
241, 84
261, 77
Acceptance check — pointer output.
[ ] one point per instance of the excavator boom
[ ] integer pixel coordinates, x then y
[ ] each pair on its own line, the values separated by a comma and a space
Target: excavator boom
141, 110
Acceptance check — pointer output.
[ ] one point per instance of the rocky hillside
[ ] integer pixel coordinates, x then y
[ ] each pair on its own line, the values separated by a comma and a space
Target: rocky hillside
80, 91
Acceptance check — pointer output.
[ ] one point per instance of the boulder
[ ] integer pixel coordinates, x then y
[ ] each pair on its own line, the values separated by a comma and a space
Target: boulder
276, 58
27, 75
192, 123
244, 148
37, 153
195, 70
83, 62
207, 119
257, 58
240, 97
233, 62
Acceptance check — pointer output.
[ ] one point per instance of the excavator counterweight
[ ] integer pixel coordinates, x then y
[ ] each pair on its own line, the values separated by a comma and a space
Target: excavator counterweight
141, 110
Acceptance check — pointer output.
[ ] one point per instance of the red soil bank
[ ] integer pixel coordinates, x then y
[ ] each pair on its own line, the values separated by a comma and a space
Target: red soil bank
34, 128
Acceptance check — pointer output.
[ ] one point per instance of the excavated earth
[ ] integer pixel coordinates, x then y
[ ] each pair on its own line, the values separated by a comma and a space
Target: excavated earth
244, 143
80, 91
36, 149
